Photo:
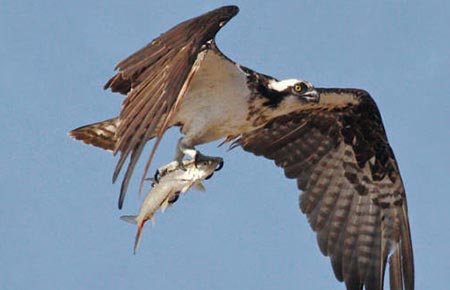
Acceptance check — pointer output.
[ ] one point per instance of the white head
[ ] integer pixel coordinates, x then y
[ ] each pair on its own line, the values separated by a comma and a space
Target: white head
301, 89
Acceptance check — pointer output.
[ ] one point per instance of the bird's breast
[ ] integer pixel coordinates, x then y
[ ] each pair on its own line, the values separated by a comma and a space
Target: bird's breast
216, 103
214, 111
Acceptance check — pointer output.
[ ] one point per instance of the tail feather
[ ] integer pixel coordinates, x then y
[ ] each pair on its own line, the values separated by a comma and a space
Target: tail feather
101, 134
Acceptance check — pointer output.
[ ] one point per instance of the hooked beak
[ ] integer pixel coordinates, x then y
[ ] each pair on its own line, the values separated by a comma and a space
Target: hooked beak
311, 96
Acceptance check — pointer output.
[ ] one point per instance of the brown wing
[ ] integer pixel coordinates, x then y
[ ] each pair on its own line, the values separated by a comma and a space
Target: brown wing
351, 188
155, 79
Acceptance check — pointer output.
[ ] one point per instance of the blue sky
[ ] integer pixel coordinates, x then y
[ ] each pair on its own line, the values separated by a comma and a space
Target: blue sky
59, 222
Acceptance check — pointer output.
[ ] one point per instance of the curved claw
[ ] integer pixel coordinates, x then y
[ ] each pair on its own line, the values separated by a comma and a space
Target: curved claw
197, 159
219, 166
209, 176
181, 165
156, 176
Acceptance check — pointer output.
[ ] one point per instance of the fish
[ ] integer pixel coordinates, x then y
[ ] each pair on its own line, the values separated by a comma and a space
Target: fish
167, 185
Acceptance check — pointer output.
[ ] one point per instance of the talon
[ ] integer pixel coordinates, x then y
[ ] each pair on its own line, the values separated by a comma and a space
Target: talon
219, 166
157, 176
209, 176
181, 165
197, 159
163, 170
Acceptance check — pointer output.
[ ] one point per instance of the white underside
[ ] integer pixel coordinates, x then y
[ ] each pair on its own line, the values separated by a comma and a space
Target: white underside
219, 103
216, 104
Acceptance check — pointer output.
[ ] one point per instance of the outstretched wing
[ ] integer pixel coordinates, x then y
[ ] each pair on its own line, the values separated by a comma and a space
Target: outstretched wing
155, 80
352, 191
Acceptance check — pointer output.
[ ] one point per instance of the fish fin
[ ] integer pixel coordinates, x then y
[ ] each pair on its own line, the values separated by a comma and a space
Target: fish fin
164, 205
200, 187
129, 219
186, 188
153, 221
137, 240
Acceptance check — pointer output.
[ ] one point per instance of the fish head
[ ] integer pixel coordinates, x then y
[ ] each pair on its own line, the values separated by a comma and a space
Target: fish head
204, 169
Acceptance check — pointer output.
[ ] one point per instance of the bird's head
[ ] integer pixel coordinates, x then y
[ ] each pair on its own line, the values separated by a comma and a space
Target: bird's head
300, 90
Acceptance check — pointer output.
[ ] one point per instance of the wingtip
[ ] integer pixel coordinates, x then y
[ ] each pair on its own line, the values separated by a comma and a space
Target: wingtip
407, 254
124, 185
228, 9
232, 9
222, 14
121, 195
395, 272
121, 199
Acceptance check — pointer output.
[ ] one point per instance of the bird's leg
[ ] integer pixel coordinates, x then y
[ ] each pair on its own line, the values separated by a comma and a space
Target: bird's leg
181, 150
184, 149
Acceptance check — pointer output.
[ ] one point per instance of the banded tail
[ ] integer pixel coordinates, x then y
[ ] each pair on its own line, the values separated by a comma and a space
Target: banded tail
101, 134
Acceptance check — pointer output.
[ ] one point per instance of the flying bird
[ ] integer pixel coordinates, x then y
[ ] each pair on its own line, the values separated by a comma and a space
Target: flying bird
331, 140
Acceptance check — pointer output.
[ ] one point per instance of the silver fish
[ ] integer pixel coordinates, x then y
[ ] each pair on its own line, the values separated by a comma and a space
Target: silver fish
166, 188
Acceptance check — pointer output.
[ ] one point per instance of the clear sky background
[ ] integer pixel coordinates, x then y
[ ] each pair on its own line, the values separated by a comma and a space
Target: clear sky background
59, 223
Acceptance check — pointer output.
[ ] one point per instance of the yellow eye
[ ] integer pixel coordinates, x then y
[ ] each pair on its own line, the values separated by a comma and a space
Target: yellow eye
298, 87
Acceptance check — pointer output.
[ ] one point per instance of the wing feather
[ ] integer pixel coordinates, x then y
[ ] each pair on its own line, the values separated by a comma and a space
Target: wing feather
100, 134
352, 192
155, 79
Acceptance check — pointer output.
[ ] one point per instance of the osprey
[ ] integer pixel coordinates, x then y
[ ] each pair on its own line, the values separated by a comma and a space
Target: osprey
332, 141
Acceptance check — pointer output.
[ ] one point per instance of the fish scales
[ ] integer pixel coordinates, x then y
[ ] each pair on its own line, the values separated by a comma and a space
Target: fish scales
171, 182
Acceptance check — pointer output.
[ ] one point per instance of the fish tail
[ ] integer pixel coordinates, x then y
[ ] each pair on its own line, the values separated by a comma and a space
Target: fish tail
137, 240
